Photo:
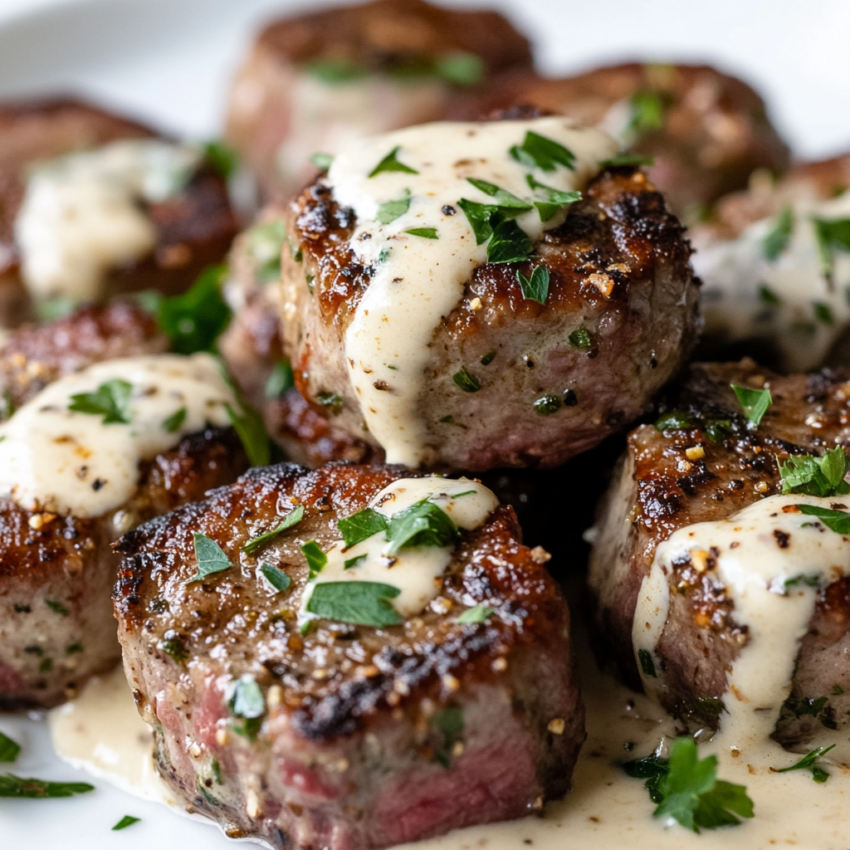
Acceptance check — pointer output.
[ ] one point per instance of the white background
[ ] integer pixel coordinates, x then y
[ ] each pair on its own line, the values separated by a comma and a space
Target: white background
169, 61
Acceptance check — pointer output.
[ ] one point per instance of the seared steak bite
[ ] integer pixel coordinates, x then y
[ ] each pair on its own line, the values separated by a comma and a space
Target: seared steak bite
318, 81
508, 375
351, 725
707, 131
701, 463
53, 155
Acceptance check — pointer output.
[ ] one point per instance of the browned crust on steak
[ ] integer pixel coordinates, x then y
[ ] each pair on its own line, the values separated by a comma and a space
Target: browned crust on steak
658, 490
194, 228
715, 129
619, 267
56, 623
338, 684
34, 356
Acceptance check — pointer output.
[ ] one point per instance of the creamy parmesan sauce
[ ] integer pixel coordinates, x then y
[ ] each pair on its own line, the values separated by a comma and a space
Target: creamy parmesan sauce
754, 569
63, 461
734, 273
418, 571
417, 281
81, 215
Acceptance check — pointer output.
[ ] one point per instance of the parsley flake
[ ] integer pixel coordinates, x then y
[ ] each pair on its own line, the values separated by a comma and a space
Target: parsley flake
390, 163
277, 578
837, 521
362, 603
280, 380
816, 476
424, 232
171, 424
448, 726
335, 71
9, 749
647, 110
210, 556
248, 704
389, 211
541, 152
547, 405
127, 820
580, 338
501, 197
467, 382
478, 614
509, 244
111, 400
322, 161
57, 607
361, 526
422, 524
460, 68
647, 665
221, 157
16, 786
252, 432
777, 238
316, 558
292, 518
555, 199
831, 235
265, 244
624, 158
536, 287
753, 402
808, 763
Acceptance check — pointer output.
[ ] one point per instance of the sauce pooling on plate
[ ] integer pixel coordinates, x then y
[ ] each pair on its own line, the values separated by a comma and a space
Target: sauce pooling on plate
405, 188
85, 461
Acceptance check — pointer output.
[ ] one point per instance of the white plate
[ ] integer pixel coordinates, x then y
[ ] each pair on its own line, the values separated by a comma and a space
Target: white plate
169, 61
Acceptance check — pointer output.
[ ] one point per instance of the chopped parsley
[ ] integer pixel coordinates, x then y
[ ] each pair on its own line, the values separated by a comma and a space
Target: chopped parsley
277, 578
547, 405
501, 197
210, 556
265, 244
322, 161
478, 614
448, 726
363, 603
172, 645
768, 296
280, 380
488, 358
351, 563
9, 749
389, 211
808, 763
16, 786
753, 402
127, 820
390, 163
541, 152
624, 158
536, 287
823, 312
777, 238
221, 157
111, 400
422, 524
580, 338
248, 704
816, 476
467, 382
831, 235
687, 789
172, 423
555, 199
361, 526
335, 71
647, 112
509, 244
292, 518
330, 400
195, 320
837, 521
460, 67
424, 232
57, 607
647, 665
316, 558
252, 432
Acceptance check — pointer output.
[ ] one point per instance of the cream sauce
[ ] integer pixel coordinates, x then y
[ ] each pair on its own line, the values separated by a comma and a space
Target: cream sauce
606, 808
735, 272
418, 571
81, 216
753, 568
417, 281
58, 460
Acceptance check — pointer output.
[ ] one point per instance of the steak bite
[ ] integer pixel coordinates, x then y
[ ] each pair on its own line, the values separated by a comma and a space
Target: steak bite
412, 331
89, 449
707, 131
311, 695
321, 80
687, 486
92, 204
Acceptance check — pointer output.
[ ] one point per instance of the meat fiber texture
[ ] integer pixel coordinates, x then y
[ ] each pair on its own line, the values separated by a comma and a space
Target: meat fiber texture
619, 268
194, 228
352, 749
311, 82
56, 623
707, 131
658, 490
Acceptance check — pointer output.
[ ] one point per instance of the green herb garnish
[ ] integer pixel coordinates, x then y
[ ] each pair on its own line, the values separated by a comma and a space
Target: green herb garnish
57, 607
330, 400
171, 424
361, 526
127, 820
280, 380
547, 405
335, 71
390, 163
488, 358
808, 763
362, 603
647, 110
424, 232
536, 287
624, 158
322, 161
9, 749
831, 236
509, 244
422, 524
391, 210
172, 645
823, 313
350, 563
316, 558
111, 400
580, 338
252, 432
194, 321
478, 614
538, 151
501, 197
292, 518
777, 238
768, 296
248, 704
837, 521
555, 201
16, 786
210, 556
816, 476
467, 382
277, 578
647, 665
265, 244
753, 402
448, 725
460, 68
221, 157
